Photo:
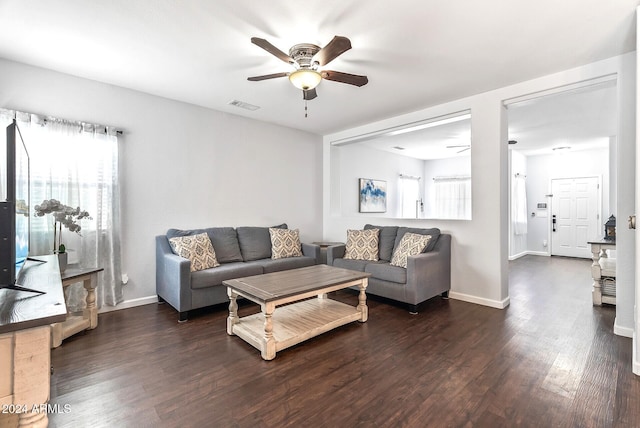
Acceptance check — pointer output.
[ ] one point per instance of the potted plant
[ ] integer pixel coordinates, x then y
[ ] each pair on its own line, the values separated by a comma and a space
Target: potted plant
63, 215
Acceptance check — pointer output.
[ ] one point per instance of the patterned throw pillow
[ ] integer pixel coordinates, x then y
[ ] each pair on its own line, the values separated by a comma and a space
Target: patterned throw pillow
196, 248
410, 245
285, 243
362, 244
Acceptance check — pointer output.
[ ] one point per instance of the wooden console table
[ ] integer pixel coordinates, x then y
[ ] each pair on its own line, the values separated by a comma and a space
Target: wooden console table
603, 267
25, 334
88, 319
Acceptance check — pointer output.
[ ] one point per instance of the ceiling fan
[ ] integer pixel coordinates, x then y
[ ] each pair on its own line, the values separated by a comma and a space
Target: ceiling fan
306, 59
464, 147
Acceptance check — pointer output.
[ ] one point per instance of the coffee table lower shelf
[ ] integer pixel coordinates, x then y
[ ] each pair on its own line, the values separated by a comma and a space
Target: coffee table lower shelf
296, 322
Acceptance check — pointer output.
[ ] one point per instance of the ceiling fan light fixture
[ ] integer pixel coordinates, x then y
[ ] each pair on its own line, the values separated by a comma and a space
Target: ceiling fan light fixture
305, 79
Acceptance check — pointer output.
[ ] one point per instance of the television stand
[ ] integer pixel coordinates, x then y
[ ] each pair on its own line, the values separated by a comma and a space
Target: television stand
21, 277
20, 288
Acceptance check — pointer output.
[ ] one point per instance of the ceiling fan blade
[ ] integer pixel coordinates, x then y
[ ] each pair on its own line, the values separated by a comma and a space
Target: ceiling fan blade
336, 47
460, 145
272, 50
351, 79
310, 94
464, 150
267, 76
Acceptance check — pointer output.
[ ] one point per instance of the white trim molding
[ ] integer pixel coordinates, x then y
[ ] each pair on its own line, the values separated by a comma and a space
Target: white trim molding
622, 331
498, 304
129, 304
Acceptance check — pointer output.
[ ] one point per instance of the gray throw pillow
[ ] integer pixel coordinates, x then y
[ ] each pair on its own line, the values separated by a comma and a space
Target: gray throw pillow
255, 242
387, 240
225, 243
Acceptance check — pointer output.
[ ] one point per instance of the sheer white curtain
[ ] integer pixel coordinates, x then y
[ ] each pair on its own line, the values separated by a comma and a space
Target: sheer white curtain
409, 196
453, 197
519, 205
77, 164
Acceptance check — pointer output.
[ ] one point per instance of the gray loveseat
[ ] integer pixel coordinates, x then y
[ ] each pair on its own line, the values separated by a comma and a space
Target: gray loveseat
428, 274
242, 251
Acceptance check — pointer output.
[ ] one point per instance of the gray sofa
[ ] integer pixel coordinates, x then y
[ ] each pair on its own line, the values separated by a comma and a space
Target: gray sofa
242, 251
427, 274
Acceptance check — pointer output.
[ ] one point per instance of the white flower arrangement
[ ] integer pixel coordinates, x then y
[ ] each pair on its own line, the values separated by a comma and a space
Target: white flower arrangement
63, 215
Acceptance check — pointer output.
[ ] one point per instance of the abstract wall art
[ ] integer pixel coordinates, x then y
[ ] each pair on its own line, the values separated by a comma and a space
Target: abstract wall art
373, 196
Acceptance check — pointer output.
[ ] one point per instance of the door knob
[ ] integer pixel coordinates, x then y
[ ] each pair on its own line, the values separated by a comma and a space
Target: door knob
632, 222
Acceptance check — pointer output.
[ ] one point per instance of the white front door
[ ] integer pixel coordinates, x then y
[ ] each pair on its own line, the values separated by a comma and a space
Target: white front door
575, 216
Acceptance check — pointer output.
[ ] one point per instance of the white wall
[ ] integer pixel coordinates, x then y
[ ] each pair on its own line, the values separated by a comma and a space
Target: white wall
480, 246
181, 165
360, 161
542, 168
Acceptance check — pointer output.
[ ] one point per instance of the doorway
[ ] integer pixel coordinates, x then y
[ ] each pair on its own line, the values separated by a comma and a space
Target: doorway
575, 215
556, 141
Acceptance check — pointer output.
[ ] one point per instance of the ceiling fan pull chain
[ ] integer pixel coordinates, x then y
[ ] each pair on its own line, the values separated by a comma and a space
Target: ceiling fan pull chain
305, 108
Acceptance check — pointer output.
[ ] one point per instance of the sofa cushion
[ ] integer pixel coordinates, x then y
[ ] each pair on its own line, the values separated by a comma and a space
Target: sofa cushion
285, 243
255, 242
386, 272
172, 233
225, 243
223, 239
387, 240
271, 265
410, 245
362, 244
196, 248
358, 265
214, 277
434, 232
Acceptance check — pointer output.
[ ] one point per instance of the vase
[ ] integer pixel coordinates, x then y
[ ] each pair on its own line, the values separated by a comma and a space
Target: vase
62, 261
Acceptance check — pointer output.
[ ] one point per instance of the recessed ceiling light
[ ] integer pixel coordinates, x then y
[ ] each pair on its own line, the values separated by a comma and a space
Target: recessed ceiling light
243, 105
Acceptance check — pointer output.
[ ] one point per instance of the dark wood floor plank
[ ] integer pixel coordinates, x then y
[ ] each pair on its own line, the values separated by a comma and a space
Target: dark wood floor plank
549, 360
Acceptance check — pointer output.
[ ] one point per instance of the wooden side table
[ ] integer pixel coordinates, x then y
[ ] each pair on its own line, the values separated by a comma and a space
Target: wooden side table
323, 249
602, 266
88, 319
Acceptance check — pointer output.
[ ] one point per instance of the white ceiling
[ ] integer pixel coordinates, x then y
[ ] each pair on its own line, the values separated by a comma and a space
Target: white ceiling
416, 53
580, 119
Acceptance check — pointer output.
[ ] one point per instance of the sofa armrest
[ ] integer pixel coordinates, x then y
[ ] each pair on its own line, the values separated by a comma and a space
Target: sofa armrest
429, 274
173, 276
335, 252
311, 250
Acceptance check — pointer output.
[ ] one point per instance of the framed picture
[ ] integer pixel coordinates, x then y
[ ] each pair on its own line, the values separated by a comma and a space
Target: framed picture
373, 196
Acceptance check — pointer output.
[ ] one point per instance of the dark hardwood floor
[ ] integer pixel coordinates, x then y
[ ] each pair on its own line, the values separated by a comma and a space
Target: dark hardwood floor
549, 360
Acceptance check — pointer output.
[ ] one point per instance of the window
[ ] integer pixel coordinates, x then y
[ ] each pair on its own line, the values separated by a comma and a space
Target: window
410, 200
77, 164
453, 197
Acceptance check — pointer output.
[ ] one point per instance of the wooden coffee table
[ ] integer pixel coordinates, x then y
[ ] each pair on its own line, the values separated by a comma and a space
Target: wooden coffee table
271, 331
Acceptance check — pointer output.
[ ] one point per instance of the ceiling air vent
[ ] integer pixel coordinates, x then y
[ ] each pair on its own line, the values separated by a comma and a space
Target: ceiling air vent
243, 105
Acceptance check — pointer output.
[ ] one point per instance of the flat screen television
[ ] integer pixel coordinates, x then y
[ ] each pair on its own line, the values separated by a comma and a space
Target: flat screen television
14, 210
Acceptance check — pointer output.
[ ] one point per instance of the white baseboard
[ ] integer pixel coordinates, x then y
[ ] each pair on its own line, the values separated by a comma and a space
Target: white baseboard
479, 300
130, 304
529, 253
635, 368
622, 331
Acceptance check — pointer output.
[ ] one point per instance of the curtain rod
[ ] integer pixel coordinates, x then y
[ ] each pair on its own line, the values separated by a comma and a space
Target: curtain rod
462, 177
410, 177
42, 119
